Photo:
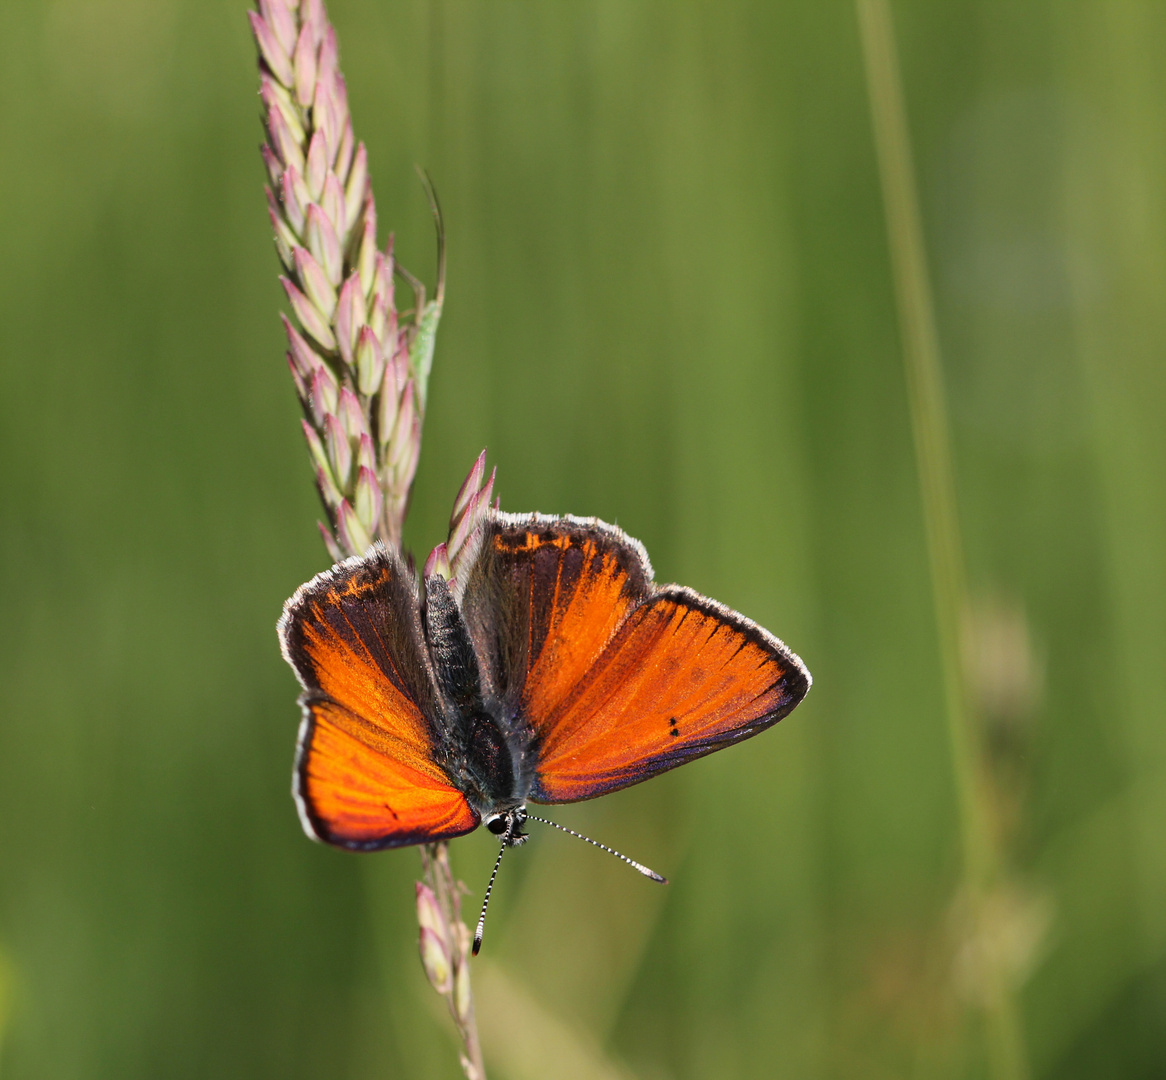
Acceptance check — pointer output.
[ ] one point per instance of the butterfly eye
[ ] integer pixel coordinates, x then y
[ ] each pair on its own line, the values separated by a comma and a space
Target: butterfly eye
497, 824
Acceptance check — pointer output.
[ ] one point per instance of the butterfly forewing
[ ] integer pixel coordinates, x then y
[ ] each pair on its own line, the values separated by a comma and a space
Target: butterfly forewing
616, 679
544, 598
366, 772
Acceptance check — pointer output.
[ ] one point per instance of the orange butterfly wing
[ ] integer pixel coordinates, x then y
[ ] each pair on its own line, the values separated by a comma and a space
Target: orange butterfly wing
366, 775
619, 680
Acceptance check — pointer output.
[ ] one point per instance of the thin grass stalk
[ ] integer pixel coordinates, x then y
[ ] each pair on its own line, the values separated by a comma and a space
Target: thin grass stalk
445, 941
448, 967
360, 367
921, 358
444, 944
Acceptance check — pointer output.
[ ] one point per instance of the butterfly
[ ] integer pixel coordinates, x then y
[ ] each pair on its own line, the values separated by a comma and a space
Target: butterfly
552, 670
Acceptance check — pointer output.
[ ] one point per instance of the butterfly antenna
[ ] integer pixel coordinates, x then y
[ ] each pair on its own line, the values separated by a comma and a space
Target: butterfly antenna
611, 851
482, 918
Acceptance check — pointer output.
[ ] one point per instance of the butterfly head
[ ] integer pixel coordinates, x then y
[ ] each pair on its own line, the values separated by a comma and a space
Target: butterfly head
508, 825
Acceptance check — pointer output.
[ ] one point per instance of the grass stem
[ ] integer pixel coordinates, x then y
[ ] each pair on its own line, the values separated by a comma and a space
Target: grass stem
921, 360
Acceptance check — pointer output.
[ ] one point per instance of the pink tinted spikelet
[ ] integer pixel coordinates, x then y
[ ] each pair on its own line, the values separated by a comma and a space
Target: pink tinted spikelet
347, 343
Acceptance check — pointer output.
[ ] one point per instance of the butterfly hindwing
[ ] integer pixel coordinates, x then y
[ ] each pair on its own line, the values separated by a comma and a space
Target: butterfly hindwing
683, 676
366, 773
616, 678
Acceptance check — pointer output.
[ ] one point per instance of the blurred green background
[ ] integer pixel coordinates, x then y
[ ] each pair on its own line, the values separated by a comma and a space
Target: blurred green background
669, 305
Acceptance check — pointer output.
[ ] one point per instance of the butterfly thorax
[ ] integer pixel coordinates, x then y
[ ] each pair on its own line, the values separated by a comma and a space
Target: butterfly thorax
480, 749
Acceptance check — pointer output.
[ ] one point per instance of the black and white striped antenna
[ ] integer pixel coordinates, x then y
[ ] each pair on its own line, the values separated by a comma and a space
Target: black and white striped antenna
497, 863
520, 817
611, 851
